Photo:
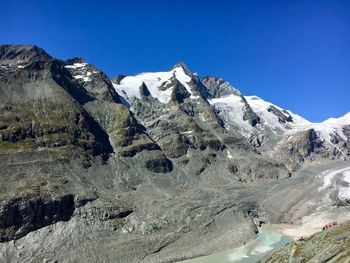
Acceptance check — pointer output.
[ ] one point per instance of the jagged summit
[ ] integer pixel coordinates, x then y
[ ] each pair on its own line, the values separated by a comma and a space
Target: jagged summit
219, 87
159, 84
75, 60
182, 65
10, 54
144, 90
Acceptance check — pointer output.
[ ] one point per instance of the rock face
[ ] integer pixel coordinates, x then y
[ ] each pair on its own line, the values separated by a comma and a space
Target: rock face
283, 116
218, 87
127, 136
302, 146
308, 146
38, 110
138, 167
20, 216
50, 113
331, 245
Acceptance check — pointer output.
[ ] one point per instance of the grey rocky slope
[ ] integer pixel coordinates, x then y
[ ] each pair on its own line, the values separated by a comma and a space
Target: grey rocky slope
136, 170
332, 245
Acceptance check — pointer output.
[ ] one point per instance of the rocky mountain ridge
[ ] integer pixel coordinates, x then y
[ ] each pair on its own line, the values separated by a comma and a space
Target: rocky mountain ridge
261, 124
146, 163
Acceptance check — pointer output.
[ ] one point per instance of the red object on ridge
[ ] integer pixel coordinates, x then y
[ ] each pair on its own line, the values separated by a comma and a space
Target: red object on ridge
329, 225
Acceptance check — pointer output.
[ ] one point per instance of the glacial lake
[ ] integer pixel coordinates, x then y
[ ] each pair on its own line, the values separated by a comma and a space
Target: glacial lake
265, 242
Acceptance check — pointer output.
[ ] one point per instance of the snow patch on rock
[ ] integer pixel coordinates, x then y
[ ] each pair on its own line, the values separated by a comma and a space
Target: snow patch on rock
76, 65
233, 106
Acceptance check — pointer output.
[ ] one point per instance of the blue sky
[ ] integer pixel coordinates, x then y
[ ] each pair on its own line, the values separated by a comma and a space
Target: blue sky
293, 53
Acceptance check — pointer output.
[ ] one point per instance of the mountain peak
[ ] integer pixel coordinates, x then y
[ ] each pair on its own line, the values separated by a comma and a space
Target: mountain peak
75, 60
11, 53
182, 65
343, 120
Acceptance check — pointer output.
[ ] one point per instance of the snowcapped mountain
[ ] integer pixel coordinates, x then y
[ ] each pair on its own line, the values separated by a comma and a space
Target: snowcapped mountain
273, 115
141, 167
173, 107
262, 124
278, 120
157, 83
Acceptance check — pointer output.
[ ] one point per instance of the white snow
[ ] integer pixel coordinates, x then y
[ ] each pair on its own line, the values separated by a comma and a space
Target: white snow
332, 126
344, 120
19, 66
329, 182
81, 71
328, 127
261, 106
233, 106
76, 65
187, 132
324, 129
229, 155
82, 77
78, 76
153, 81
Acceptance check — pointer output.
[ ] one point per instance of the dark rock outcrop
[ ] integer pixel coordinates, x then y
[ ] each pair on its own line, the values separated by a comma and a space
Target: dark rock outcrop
300, 147
144, 90
179, 93
218, 87
160, 165
19, 216
283, 117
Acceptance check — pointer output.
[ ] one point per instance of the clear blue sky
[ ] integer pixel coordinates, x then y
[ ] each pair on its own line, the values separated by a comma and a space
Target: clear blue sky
293, 53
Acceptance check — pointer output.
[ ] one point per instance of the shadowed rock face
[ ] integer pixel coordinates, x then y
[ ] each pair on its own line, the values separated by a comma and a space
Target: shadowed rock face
249, 114
127, 136
218, 87
21, 54
161, 165
300, 147
144, 90
283, 117
22, 215
179, 93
